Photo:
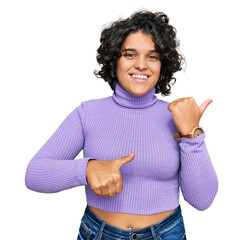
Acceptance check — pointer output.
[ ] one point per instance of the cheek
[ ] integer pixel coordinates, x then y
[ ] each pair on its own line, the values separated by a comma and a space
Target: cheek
124, 66
157, 69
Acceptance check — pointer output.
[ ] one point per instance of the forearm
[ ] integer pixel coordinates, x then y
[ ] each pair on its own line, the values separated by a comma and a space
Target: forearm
50, 175
197, 177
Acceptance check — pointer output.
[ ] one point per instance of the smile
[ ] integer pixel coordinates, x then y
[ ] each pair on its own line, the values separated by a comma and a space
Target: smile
140, 78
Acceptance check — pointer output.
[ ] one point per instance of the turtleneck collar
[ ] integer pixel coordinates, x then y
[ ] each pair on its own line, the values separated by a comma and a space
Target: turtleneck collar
128, 100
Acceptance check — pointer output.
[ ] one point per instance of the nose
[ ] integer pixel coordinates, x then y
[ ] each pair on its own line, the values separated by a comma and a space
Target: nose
141, 63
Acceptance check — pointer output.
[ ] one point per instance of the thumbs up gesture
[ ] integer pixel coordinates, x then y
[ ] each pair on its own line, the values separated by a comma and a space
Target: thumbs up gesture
104, 177
186, 113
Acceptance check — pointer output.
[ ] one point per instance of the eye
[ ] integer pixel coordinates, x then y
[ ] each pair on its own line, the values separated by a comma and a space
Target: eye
129, 54
154, 57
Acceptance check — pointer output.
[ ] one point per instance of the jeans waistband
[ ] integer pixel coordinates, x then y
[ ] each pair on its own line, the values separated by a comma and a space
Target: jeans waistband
151, 229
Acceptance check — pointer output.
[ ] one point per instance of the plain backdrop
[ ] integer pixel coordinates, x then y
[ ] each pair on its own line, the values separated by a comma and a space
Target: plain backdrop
47, 59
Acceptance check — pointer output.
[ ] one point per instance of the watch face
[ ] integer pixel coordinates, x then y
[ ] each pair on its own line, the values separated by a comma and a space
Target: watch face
197, 132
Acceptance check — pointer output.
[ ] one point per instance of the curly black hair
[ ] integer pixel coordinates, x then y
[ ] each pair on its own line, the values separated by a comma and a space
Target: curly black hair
164, 37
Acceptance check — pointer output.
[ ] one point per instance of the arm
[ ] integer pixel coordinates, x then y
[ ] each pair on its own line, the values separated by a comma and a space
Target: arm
197, 177
53, 168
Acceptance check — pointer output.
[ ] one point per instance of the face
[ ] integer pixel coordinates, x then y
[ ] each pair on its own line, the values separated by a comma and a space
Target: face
138, 59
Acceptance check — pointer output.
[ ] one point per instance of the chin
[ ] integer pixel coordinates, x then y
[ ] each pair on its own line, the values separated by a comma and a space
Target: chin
140, 93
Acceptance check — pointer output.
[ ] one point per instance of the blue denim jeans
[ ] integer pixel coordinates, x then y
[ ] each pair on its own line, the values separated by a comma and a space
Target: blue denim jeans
94, 228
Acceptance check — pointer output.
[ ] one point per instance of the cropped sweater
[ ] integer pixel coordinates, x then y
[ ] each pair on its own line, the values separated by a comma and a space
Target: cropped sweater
113, 127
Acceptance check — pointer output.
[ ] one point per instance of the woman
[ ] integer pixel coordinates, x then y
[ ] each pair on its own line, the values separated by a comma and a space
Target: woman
138, 149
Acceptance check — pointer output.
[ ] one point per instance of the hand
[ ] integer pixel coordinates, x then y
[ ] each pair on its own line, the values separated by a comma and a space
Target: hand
186, 113
104, 177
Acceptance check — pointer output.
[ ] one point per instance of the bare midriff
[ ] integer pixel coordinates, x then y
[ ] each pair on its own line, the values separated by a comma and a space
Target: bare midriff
124, 220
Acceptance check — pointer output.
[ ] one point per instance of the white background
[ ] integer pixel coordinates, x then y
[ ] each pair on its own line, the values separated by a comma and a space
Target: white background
47, 59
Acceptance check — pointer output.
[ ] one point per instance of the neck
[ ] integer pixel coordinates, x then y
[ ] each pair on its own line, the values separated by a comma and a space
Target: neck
128, 100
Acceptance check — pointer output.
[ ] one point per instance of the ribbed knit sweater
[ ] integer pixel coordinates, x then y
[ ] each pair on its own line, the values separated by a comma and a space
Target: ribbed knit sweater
113, 127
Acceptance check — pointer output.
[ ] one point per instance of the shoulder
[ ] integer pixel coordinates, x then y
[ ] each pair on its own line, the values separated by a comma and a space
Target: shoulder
94, 104
163, 108
163, 103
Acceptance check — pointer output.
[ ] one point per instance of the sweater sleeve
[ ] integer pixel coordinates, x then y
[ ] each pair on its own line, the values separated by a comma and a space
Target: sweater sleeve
197, 178
53, 168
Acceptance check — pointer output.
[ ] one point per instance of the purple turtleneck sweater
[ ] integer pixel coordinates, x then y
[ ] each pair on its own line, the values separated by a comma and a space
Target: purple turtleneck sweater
113, 127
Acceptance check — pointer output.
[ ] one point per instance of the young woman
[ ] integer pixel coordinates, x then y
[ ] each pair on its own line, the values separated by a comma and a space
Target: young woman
138, 150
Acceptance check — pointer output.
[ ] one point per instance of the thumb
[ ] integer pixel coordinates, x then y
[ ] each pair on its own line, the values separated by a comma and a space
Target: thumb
204, 105
126, 159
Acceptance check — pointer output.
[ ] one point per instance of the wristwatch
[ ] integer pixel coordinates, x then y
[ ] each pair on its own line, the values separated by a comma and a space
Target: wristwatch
194, 132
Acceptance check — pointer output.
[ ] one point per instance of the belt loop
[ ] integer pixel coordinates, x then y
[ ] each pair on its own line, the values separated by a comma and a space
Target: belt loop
101, 231
153, 232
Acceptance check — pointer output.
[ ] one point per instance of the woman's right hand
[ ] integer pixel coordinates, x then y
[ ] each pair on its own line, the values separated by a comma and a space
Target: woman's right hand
104, 177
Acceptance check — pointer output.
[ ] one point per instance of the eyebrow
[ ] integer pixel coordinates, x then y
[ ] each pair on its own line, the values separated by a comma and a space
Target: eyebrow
134, 50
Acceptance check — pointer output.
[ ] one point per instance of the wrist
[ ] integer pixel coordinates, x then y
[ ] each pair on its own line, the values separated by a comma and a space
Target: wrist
192, 134
187, 132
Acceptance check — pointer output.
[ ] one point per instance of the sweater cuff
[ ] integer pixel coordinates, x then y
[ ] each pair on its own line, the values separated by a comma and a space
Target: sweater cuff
80, 174
193, 148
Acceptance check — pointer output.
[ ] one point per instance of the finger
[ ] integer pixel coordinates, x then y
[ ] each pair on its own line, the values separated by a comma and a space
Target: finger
104, 191
112, 189
119, 185
180, 99
204, 105
170, 107
175, 102
126, 159
172, 104
98, 192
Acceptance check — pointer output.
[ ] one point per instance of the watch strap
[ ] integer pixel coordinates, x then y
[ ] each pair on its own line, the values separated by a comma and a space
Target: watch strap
178, 135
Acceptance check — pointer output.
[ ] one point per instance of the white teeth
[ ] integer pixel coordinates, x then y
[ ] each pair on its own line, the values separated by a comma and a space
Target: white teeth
140, 76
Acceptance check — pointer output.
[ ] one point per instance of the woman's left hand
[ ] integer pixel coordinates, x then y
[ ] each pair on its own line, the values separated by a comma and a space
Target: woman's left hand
186, 113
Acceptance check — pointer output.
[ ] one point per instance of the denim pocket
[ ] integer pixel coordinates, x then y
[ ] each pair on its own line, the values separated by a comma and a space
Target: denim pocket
87, 231
84, 232
175, 231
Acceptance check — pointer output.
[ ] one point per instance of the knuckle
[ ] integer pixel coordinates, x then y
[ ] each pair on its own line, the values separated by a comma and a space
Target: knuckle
117, 177
111, 179
103, 185
97, 188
